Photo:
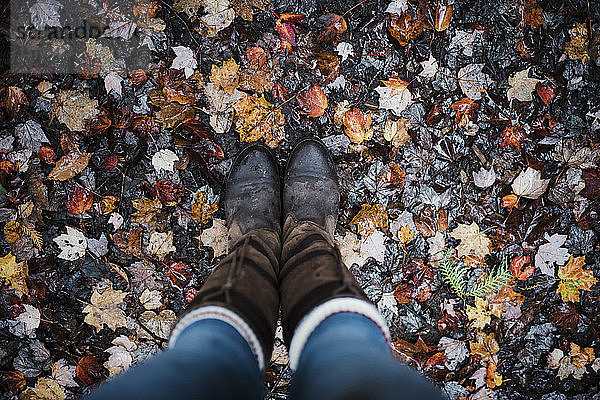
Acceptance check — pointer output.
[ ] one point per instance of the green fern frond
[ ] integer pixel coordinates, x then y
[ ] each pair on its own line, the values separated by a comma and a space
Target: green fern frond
453, 274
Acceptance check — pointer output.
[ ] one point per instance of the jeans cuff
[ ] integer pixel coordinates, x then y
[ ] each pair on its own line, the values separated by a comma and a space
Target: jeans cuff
226, 315
334, 306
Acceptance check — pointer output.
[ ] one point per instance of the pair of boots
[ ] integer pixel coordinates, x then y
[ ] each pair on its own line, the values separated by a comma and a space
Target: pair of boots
281, 253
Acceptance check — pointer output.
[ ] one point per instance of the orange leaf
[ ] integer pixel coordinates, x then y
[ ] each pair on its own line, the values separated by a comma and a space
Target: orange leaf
313, 101
546, 92
466, 109
518, 269
510, 200
513, 136
358, 125
69, 166
492, 379
89, 369
13, 100
369, 218
404, 29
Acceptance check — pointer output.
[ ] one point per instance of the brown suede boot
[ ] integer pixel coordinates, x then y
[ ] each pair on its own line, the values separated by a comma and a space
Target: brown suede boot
313, 279
242, 290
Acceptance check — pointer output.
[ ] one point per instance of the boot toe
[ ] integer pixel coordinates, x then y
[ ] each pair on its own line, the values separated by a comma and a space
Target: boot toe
311, 158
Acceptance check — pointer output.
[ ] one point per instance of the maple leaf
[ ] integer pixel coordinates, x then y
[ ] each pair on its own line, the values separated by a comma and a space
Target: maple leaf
104, 309
31, 135
394, 95
120, 355
344, 50
388, 302
26, 322
45, 13
243, 8
313, 101
551, 252
480, 314
81, 200
164, 159
64, 373
396, 132
203, 209
112, 82
521, 86
513, 136
256, 118
227, 76
146, 210
573, 278
160, 244
74, 107
70, 165
484, 178
45, 388
185, 60
14, 273
473, 81
358, 125
159, 324
409, 352
216, 237
415, 285
472, 241
370, 217
529, 184
577, 49
72, 245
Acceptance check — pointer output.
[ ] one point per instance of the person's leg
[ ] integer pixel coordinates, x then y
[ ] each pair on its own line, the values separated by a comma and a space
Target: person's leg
209, 360
347, 357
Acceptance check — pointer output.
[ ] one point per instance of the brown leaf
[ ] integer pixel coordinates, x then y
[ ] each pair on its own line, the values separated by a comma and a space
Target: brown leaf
15, 380
331, 27
370, 217
89, 369
404, 29
14, 98
415, 285
358, 125
313, 101
168, 192
519, 269
70, 165
591, 177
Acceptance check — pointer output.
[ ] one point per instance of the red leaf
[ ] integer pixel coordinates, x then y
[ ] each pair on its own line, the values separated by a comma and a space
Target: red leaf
546, 92
168, 192
179, 274
313, 101
565, 317
47, 155
280, 92
89, 369
513, 136
111, 161
518, 269
447, 322
286, 27
197, 128
257, 57
81, 200
137, 78
591, 177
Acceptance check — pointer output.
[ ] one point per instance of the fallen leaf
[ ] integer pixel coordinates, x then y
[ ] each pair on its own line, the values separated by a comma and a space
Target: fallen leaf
370, 217
521, 86
331, 27
529, 184
31, 135
104, 309
14, 273
185, 59
159, 324
394, 95
550, 253
396, 132
151, 299
545, 91
466, 111
388, 302
112, 82
14, 99
74, 107
519, 269
89, 369
46, 389
573, 278
358, 125
64, 373
403, 28
72, 244
70, 165
203, 209
473, 81
256, 118
160, 244
26, 322
313, 101
146, 210
164, 159
480, 314
45, 13
513, 136
226, 77
484, 178
485, 345
120, 358
216, 237
81, 200
472, 241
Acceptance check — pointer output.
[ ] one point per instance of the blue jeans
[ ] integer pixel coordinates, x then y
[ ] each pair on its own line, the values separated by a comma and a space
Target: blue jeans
345, 358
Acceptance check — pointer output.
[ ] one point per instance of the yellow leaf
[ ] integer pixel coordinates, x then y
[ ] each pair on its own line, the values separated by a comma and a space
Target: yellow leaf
256, 118
45, 389
405, 234
472, 241
484, 345
577, 47
146, 210
104, 309
216, 237
14, 273
202, 210
493, 379
396, 132
479, 315
227, 76
370, 217
12, 231
581, 356
573, 278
